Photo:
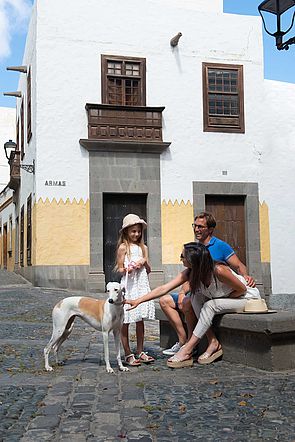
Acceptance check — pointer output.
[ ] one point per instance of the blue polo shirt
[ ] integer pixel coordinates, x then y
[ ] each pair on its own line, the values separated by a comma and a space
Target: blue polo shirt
219, 250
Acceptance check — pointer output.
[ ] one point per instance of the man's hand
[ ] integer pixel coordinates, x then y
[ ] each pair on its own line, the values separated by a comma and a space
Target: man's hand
250, 281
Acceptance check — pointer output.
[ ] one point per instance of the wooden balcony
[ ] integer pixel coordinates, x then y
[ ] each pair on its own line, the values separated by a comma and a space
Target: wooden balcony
14, 163
126, 128
108, 122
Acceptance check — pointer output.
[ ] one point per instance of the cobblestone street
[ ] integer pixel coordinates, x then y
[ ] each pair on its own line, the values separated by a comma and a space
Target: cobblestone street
81, 402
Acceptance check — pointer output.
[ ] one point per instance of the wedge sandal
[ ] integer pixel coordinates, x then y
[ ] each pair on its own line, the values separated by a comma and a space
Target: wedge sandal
177, 363
205, 358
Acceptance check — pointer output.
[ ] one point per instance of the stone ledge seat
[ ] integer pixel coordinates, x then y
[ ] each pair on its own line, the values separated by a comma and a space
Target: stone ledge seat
264, 341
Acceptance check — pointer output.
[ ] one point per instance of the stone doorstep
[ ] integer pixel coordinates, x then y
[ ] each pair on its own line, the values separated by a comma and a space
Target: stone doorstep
264, 341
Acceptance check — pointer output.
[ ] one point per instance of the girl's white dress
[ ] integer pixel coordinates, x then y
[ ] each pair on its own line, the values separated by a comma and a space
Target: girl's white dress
137, 285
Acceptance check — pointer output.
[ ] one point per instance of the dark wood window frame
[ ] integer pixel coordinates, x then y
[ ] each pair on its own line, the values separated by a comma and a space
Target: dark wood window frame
231, 122
29, 106
22, 128
29, 230
123, 77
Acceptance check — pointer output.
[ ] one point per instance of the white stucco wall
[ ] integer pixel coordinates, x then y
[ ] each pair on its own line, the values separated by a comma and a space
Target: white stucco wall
277, 183
7, 132
69, 76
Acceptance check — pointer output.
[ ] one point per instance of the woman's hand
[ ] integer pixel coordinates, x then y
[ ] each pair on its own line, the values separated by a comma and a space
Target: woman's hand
181, 297
133, 302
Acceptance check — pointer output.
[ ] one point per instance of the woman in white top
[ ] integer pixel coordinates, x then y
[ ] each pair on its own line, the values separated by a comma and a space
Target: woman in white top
215, 289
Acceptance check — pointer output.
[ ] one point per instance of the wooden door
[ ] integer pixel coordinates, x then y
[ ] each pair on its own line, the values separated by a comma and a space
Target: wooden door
115, 207
5, 246
229, 212
16, 241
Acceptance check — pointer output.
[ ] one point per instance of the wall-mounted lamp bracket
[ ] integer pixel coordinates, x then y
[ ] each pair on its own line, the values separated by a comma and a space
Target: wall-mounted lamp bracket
16, 94
21, 69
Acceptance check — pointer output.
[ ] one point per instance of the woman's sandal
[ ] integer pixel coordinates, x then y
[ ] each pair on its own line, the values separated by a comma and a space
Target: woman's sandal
132, 361
146, 359
206, 358
175, 362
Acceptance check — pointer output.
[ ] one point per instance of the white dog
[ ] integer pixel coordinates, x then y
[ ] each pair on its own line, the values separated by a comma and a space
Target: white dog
104, 315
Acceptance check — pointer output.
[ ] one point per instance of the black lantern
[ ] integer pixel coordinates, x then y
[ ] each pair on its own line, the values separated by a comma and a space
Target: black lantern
9, 147
278, 7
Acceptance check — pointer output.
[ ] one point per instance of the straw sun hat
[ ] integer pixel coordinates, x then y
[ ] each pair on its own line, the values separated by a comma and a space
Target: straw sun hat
257, 306
132, 220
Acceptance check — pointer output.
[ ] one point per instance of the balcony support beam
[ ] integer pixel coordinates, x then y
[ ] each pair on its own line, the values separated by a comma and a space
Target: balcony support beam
124, 146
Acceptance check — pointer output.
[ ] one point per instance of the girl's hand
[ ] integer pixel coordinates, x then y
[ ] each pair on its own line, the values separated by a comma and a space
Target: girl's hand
134, 303
140, 263
131, 266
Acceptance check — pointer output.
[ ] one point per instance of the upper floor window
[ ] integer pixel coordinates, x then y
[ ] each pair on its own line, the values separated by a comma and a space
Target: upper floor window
29, 107
123, 80
223, 98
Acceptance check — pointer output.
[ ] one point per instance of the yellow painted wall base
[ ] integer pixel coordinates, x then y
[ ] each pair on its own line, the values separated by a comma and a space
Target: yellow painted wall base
177, 219
61, 233
264, 232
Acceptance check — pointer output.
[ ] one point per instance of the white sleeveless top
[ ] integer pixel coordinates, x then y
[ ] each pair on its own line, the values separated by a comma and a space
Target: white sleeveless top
220, 290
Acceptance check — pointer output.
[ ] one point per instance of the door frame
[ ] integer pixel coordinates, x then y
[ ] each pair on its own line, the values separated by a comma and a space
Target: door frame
124, 172
252, 231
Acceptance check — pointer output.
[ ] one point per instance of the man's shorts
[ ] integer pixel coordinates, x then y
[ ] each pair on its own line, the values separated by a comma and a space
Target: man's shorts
175, 296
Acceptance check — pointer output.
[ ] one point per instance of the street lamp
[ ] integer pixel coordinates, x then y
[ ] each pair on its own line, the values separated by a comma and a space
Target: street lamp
278, 7
10, 149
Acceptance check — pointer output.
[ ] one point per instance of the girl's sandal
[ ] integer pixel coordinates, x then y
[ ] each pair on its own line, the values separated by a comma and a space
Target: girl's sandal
146, 359
132, 361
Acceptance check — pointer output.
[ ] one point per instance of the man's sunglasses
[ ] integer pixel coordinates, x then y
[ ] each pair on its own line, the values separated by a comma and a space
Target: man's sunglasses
198, 226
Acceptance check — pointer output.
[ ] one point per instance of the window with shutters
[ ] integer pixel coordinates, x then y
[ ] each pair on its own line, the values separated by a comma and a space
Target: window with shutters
123, 80
223, 98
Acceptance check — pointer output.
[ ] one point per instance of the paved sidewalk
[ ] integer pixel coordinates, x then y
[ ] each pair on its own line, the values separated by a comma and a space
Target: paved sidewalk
81, 402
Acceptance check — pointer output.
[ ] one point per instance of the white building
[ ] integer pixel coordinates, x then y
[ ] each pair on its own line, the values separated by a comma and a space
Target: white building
7, 132
167, 132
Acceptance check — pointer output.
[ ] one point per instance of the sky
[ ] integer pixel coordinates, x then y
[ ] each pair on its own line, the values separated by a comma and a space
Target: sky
14, 19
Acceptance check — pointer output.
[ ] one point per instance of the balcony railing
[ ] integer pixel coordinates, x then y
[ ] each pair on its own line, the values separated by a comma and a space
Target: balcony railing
14, 163
124, 123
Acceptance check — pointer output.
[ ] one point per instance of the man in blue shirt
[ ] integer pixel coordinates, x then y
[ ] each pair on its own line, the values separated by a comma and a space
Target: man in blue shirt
204, 225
